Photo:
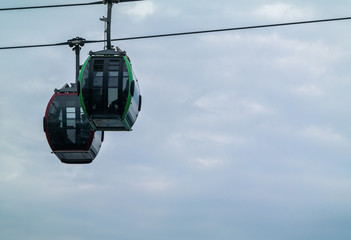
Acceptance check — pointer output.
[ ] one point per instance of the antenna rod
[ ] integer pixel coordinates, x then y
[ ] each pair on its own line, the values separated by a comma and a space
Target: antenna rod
108, 27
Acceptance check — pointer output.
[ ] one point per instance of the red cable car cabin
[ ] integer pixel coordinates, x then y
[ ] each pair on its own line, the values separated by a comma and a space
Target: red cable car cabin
68, 131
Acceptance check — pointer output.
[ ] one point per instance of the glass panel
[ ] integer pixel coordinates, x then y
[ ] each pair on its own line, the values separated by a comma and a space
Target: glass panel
97, 99
112, 98
60, 118
113, 65
85, 83
66, 129
71, 123
99, 65
97, 82
113, 74
85, 73
125, 81
126, 73
112, 92
97, 79
71, 135
113, 79
71, 116
71, 112
125, 78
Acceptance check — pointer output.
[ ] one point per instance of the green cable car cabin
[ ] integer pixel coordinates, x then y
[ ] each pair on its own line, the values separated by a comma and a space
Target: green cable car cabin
109, 91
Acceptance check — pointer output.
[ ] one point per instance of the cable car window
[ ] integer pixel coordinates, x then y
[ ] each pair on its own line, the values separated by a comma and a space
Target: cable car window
112, 98
132, 88
71, 112
98, 77
99, 65
68, 128
60, 119
125, 78
113, 65
97, 90
125, 83
113, 90
85, 78
71, 116
53, 108
71, 135
113, 79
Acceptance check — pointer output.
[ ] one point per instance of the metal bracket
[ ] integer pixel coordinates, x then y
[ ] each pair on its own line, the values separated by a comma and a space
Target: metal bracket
104, 19
108, 52
110, 1
67, 88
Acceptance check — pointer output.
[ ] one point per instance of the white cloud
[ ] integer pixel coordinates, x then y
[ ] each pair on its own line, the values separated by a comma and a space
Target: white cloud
188, 138
312, 57
141, 10
211, 102
208, 162
309, 90
276, 52
147, 178
227, 106
11, 168
283, 11
325, 134
255, 108
152, 185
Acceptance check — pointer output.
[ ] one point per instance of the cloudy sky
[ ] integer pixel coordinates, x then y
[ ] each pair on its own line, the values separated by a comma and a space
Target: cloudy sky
242, 135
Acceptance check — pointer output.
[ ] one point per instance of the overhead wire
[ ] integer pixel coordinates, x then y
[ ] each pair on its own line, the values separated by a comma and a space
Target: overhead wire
50, 6
184, 33
232, 29
60, 5
35, 46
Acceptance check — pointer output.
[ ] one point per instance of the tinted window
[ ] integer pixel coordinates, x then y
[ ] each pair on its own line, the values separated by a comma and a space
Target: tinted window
68, 128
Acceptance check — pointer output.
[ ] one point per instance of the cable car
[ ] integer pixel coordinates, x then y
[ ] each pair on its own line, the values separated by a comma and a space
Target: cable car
67, 129
109, 91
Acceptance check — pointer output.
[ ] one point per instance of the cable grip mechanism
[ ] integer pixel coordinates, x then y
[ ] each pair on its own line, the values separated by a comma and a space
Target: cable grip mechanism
76, 42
